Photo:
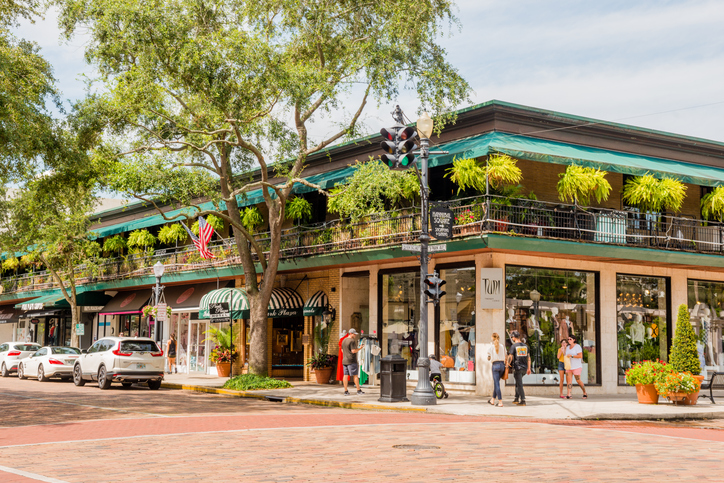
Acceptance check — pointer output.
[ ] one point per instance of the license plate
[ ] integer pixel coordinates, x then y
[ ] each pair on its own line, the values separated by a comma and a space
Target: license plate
140, 366
69, 362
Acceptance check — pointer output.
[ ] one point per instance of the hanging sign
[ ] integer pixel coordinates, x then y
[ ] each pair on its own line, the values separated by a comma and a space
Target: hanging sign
220, 312
441, 220
161, 313
492, 288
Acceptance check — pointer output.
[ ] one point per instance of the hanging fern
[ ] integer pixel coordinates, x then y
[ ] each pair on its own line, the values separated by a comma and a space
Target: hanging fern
298, 209
141, 239
503, 170
115, 244
252, 219
651, 194
171, 234
500, 168
712, 204
10, 264
579, 183
215, 222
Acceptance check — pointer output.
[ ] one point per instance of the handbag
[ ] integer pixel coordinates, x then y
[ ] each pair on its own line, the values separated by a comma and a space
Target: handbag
505, 374
567, 363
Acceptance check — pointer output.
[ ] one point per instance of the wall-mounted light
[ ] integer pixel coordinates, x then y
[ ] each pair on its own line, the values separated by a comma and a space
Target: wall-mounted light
329, 314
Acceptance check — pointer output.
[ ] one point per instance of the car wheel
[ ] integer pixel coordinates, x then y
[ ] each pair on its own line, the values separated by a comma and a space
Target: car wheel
103, 381
5, 372
78, 376
41, 374
21, 373
154, 385
127, 384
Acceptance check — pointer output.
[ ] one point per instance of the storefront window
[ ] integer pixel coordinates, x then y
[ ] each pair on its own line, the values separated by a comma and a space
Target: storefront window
456, 324
641, 320
567, 306
707, 317
180, 327
400, 303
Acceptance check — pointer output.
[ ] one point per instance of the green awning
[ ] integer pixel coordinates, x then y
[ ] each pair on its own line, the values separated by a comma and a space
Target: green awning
532, 149
57, 301
234, 296
285, 302
316, 304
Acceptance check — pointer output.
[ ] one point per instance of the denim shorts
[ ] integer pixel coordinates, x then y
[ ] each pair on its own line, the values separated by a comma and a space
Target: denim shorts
351, 369
561, 366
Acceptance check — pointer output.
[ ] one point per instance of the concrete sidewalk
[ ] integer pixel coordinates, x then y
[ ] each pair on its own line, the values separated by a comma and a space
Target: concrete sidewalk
618, 407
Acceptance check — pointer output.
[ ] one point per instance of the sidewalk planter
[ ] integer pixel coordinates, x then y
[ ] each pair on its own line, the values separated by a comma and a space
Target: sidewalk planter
678, 398
223, 369
646, 394
692, 398
322, 365
678, 387
323, 375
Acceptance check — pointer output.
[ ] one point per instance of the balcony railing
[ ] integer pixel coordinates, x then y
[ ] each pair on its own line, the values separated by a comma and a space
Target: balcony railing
474, 216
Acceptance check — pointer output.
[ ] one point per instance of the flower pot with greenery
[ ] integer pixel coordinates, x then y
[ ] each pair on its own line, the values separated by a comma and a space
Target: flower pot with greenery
322, 364
644, 375
578, 185
712, 204
677, 386
223, 353
684, 356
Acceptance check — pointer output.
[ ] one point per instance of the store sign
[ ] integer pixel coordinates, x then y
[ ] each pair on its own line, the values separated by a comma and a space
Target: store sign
79, 329
220, 312
492, 288
32, 306
161, 314
441, 220
91, 308
34, 321
279, 313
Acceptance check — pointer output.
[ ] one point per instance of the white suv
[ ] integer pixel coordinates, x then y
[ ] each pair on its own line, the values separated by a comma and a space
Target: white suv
12, 352
124, 359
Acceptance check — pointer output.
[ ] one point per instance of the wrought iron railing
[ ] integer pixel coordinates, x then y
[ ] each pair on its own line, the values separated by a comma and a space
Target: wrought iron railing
473, 216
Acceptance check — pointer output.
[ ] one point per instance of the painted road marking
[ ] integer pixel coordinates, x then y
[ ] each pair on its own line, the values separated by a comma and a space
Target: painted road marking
33, 476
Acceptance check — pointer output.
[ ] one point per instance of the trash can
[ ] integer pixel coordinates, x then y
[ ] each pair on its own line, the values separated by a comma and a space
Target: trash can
393, 384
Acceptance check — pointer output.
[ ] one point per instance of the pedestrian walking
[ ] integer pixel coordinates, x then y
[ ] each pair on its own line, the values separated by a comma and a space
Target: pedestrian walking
564, 364
349, 361
575, 352
519, 360
171, 351
496, 354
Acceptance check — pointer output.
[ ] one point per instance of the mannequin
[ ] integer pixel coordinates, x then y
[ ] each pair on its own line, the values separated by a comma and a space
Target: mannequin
533, 326
637, 330
462, 357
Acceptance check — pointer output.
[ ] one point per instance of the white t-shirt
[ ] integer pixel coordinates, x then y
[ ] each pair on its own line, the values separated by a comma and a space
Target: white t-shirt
494, 357
576, 363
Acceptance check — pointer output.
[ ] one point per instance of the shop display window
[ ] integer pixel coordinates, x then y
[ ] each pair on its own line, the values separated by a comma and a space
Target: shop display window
455, 322
546, 306
399, 318
707, 316
642, 321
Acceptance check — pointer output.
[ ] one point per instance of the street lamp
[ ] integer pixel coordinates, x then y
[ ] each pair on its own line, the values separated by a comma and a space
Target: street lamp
423, 395
535, 297
158, 270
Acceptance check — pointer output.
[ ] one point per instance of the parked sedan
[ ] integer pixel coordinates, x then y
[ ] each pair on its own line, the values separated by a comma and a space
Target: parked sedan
11, 353
50, 361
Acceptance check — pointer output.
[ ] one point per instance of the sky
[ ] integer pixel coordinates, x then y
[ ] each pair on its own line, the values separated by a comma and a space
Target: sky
654, 64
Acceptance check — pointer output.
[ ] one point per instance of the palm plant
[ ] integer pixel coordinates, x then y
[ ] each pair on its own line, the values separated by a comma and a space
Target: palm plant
579, 184
654, 195
712, 204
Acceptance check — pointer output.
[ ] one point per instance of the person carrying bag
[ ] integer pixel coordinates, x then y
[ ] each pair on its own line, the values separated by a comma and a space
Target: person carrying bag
496, 354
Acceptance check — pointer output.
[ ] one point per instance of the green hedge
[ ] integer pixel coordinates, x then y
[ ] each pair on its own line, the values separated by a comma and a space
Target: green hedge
252, 382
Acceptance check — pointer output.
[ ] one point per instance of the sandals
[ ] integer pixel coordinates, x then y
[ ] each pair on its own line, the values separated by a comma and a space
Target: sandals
491, 402
568, 397
500, 404
585, 396
562, 396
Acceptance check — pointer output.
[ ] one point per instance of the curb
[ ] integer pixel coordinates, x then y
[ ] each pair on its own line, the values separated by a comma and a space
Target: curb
291, 400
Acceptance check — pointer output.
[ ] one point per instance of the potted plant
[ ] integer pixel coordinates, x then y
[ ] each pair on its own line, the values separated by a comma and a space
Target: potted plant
142, 240
223, 353
252, 219
464, 219
677, 386
322, 364
684, 357
712, 204
577, 185
172, 234
644, 375
298, 210
654, 195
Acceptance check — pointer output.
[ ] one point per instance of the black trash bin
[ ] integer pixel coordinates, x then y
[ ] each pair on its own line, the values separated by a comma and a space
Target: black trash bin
393, 383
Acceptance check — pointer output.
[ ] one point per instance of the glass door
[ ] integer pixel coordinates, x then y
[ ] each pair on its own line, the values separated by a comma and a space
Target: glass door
197, 346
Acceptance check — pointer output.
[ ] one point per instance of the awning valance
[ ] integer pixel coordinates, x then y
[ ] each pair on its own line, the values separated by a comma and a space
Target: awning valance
235, 297
316, 304
285, 302
8, 315
58, 301
187, 298
127, 302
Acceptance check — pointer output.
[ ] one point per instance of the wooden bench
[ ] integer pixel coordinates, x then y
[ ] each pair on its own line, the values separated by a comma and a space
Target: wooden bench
715, 382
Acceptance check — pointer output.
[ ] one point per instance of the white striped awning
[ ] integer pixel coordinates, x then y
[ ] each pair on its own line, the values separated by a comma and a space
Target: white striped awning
236, 297
285, 302
316, 304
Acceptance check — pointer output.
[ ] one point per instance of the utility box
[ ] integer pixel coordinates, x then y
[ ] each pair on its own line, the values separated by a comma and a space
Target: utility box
393, 386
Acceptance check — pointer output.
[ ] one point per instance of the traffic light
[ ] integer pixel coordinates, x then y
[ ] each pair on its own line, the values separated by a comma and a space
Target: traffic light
399, 143
433, 287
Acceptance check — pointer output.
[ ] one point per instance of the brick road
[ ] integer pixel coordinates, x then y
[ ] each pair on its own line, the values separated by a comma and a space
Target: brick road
55, 432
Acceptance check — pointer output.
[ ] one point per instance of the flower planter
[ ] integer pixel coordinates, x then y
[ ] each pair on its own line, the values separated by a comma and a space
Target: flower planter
692, 398
223, 369
646, 394
677, 397
323, 375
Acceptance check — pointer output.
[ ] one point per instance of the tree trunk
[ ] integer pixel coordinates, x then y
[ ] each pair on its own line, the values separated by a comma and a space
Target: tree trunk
75, 319
258, 354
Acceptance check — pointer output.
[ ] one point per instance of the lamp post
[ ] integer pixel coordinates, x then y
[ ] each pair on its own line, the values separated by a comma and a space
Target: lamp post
158, 270
423, 395
535, 297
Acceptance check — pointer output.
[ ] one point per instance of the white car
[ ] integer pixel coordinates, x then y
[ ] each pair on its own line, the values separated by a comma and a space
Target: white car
49, 361
124, 359
12, 352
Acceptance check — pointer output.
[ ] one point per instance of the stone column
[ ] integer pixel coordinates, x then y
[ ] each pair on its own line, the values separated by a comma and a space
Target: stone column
609, 330
487, 321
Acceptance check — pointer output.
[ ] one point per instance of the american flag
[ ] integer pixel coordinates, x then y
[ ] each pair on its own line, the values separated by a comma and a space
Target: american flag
201, 242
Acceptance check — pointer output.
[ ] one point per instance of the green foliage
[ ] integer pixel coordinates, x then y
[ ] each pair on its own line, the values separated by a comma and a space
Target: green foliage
322, 334
467, 173
142, 239
216, 222
651, 194
684, 356
321, 361
579, 183
676, 382
220, 336
115, 244
172, 234
501, 170
252, 382
647, 372
298, 209
251, 219
373, 188
712, 204
10, 264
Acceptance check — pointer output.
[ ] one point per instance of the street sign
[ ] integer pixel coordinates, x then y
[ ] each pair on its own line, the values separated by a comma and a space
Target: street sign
411, 248
161, 312
79, 329
441, 219
442, 247
220, 312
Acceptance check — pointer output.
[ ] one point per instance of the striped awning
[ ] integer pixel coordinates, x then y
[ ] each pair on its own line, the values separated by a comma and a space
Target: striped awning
316, 304
236, 297
285, 302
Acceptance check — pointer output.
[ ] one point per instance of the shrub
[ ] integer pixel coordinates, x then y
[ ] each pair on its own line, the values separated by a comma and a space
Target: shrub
684, 356
252, 382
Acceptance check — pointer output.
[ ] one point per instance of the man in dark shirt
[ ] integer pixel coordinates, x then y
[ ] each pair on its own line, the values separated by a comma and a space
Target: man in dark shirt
519, 359
349, 361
